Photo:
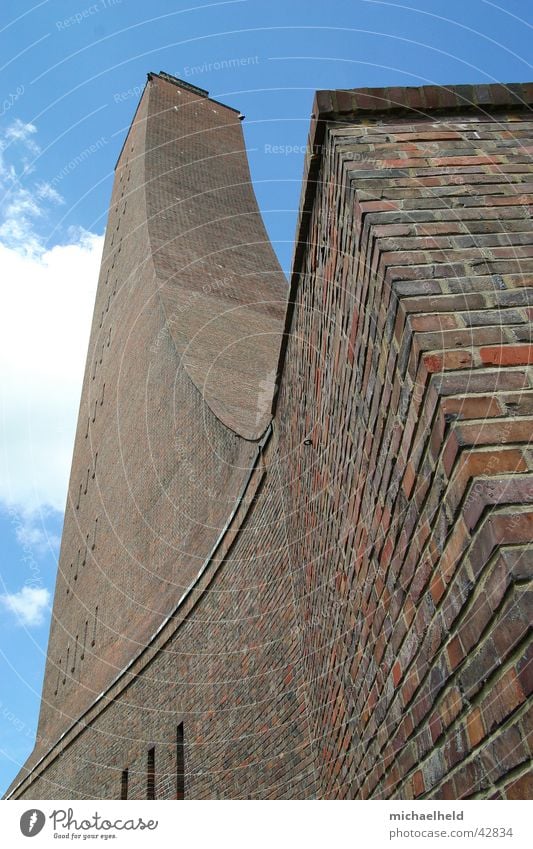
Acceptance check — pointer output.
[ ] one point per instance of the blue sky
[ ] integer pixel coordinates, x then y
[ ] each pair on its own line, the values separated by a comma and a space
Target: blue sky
71, 72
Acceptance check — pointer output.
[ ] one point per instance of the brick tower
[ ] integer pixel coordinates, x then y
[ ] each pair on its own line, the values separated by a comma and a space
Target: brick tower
325, 596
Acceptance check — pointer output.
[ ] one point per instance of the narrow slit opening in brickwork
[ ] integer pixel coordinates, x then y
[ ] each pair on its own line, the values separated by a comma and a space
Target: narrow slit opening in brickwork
58, 677
66, 666
93, 546
77, 565
102, 397
180, 763
108, 303
124, 784
73, 667
84, 561
88, 425
102, 353
93, 642
79, 496
109, 338
69, 577
86, 482
150, 774
94, 414
84, 639
94, 466
95, 364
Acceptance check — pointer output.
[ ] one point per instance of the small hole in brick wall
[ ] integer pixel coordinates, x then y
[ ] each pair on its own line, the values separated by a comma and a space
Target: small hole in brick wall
308, 441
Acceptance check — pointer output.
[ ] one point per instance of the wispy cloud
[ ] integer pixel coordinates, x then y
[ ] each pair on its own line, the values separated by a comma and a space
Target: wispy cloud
47, 296
21, 132
22, 205
45, 191
28, 605
32, 534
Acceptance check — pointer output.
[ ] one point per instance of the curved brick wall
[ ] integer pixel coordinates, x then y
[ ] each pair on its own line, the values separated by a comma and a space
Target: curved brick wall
361, 628
220, 284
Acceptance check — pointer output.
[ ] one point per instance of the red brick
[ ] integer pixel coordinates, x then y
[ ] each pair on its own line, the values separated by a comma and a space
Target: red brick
507, 355
474, 726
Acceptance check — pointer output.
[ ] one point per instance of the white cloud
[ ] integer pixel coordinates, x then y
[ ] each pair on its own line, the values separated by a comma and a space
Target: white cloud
47, 297
21, 132
29, 604
46, 191
34, 538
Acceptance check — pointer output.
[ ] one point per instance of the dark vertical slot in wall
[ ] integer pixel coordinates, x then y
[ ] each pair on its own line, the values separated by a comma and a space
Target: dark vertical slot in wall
124, 784
180, 763
150, 774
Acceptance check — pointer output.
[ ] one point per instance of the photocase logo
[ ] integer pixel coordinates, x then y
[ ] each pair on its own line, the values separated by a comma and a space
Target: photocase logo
32, 822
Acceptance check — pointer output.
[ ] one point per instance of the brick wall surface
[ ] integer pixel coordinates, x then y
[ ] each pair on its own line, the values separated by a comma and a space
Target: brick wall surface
359, 627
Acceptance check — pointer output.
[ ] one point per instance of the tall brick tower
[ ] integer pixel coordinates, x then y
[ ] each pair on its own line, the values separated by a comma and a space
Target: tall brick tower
327, 595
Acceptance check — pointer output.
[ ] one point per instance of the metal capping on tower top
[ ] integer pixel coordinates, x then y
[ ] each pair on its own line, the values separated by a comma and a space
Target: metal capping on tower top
176, 81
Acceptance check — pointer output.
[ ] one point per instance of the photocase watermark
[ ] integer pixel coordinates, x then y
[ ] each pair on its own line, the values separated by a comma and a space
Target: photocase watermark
189, 471
78, 160
220, 65
82, 15
18, 724
66, 820
33, 821
10, 100
305, 149
134, 91
267, 388
21, 726
35, 581
165, 333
